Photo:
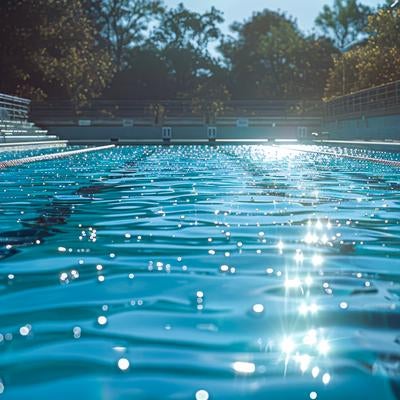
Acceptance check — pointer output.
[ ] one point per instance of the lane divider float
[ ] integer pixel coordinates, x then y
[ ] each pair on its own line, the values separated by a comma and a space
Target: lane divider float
51, 156
392, 163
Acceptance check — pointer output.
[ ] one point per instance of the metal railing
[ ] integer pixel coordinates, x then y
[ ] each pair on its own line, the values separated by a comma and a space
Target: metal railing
13, 108
380, 100
119, 109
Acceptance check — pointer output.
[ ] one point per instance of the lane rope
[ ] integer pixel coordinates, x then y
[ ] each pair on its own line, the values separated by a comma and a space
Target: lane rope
384, 161
51, 156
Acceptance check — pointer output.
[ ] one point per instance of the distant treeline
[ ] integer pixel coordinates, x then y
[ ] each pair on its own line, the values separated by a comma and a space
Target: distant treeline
141, 49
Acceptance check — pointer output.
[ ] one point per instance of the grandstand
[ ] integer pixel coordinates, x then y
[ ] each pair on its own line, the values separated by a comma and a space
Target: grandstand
15, 126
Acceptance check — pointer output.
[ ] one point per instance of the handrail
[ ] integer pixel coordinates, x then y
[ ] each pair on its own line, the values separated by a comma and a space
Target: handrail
14, 108
379, 100
14, 99
112, 109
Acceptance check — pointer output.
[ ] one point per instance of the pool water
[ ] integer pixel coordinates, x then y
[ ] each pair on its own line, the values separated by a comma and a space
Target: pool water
200, 272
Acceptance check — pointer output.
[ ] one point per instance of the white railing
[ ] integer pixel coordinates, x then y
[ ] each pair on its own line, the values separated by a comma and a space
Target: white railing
380, 100
14, 108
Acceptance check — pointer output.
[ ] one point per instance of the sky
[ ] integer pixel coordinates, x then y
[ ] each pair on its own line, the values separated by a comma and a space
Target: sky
305, 11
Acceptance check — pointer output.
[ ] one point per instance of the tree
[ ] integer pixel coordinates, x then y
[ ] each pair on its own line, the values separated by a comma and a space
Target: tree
210, 95
125, 24
371, 64
173, 60
50, 49
345, 21
272, 59
184, 38
146, 77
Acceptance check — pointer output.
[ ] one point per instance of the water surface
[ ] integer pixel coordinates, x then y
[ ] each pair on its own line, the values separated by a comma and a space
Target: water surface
195, 272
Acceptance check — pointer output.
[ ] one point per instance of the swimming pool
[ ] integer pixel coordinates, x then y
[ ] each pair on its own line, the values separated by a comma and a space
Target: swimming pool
201, 272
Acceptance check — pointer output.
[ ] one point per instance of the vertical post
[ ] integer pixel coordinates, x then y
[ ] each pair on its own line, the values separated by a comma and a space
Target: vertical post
212, 133
343, 77
166, 132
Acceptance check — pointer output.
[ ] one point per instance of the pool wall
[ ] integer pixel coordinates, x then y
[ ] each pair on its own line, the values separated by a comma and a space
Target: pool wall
365, 128
370, 114
375, 127
287, 128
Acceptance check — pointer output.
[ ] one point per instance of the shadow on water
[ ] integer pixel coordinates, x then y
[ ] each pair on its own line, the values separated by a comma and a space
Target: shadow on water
57, 213
49, 221
37, 229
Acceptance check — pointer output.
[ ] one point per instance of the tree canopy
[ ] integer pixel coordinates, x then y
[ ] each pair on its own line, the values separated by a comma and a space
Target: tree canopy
272, 59
50, 49
371, 63
142, 49
125, 24
344, 21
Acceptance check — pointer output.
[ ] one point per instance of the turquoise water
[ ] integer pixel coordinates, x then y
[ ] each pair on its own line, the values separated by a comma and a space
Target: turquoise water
194, 272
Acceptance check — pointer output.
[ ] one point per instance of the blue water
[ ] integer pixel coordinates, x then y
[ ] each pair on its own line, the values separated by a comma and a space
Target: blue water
194, 272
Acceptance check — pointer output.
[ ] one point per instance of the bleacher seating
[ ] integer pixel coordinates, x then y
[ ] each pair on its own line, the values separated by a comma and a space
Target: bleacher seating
14, 124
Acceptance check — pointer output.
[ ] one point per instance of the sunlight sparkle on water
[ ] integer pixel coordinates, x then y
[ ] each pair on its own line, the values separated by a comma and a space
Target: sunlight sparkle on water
202, 395
123, 364
326, 378
288, 345
304, 361
308, 280
242, 367
305, 309
77, 331
292, 283
258, 308
25, 330
299, 256
317, 260
323, 347
315, 372
310, 338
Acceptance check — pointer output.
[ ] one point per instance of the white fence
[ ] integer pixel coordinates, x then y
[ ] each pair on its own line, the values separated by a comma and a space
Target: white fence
13, 108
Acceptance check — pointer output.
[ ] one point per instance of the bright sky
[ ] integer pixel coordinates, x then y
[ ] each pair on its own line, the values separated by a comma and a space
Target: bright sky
305, 11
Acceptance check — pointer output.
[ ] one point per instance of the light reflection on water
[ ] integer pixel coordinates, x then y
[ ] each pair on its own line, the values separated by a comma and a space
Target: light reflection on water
193, 272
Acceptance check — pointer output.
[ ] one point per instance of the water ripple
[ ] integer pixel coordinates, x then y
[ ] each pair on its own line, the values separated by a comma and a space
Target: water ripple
240, 272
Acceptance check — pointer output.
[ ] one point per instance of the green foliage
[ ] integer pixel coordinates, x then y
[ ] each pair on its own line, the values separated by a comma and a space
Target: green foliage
209, 96
174, 60
182, 28
146, 77
345, 21
272, 59
140, 49
50, 50
125, 24
371, 64
184, 38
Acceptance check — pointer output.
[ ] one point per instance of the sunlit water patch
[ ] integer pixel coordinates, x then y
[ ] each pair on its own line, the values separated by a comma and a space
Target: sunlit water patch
194, 272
